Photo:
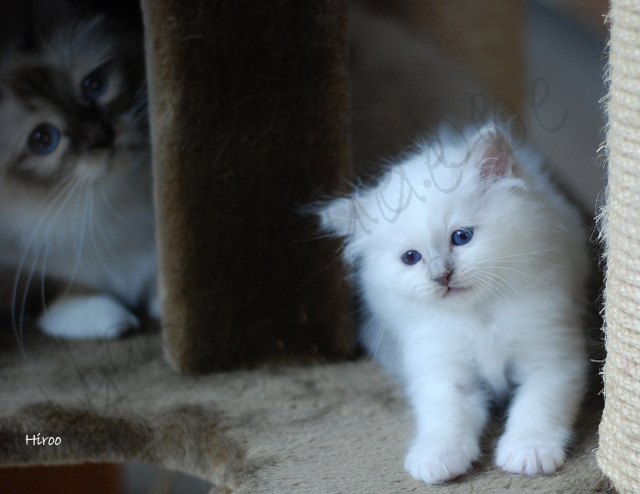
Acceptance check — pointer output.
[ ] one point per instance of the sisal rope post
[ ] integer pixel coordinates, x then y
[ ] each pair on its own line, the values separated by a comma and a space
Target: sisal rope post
619, 451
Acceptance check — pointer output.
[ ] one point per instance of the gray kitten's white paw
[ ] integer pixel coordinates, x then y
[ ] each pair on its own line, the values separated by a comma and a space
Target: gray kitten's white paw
436, 464
90, 317
529, 457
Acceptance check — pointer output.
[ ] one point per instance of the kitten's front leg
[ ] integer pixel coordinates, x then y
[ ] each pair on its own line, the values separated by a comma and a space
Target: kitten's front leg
451, 412
449, 420
87, 316
541, 416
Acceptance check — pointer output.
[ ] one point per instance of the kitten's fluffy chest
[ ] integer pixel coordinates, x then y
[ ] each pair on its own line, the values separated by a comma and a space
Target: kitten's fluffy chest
481, 341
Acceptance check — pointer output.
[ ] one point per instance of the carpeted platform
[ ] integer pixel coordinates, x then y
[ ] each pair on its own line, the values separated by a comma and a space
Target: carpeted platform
323, 428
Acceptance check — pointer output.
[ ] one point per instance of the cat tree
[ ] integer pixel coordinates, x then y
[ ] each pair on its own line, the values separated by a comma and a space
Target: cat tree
250, 119
619, 454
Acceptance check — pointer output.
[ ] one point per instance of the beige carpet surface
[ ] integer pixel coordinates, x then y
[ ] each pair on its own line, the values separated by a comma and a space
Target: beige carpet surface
325, 428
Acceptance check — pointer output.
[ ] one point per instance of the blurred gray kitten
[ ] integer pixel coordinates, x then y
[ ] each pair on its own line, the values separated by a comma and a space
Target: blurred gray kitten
75, 186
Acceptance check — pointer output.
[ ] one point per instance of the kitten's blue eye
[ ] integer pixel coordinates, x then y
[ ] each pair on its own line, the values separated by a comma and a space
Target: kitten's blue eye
95, 84
462, 236
43, 139
411, 257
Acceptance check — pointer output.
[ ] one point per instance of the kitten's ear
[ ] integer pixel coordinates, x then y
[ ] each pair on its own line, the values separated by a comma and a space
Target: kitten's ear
337, 217
496, 155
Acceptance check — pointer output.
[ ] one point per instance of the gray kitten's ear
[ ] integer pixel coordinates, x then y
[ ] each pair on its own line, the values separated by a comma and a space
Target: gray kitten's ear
337, 217
496, 155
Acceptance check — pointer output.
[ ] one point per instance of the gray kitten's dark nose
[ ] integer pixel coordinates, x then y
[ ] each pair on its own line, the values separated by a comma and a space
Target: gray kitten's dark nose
91, 131
98, 133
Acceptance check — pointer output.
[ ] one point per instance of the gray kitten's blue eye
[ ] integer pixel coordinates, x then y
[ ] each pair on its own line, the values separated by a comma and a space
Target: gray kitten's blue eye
43, 139
462, 236
411, 257
95, 84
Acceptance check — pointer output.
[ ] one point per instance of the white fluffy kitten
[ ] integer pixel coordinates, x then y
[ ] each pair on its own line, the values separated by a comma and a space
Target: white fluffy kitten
75, 174
471, 265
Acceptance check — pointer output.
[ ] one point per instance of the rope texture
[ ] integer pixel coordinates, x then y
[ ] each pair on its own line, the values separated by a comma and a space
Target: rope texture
619, 450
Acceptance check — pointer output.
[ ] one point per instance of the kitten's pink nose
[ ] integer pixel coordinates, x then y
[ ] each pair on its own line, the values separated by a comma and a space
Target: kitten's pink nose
440, 270
443, 279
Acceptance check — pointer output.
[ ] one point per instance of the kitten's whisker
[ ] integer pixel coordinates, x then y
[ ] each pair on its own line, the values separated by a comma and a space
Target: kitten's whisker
55, 196
532, 253
489, 285
516, 271
93, 223
97, 224
503, 282
52, 198
358, 310
141, 95
80, 239
517, 261
52, 224
43, 273
136, 120
379, 336
378, 339
493, 292
43, 276
58, 191
382, 329
138, 113
139, 99
46, 250
139, 109
486, 292
106, 200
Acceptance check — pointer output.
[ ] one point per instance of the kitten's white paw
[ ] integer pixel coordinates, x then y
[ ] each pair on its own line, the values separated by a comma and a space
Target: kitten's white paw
436, 464
528, 457
95, 316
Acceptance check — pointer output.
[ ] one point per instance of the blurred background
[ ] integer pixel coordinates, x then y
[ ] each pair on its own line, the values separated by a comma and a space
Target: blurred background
565, 43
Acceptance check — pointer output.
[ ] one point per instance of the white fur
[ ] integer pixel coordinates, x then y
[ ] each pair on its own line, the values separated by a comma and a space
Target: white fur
514, 324
94, 316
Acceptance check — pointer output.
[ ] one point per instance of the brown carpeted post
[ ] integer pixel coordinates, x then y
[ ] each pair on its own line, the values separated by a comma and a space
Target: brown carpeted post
619, 453
249, 121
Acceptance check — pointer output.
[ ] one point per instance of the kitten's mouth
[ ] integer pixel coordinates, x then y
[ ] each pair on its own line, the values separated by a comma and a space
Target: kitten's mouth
452, 291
